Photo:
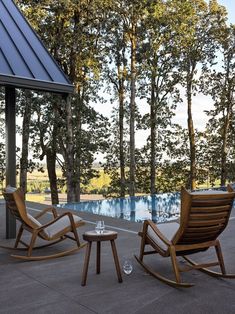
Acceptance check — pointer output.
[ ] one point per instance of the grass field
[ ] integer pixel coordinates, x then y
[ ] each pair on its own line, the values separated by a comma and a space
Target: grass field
38, 182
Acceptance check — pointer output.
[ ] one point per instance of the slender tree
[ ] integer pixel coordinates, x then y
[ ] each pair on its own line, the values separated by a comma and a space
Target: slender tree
116, 72
159, 60
25, 105
196, 23
220, 85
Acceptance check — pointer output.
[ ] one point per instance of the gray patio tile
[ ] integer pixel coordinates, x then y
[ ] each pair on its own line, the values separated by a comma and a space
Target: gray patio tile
54, 286
49, 308
206, 298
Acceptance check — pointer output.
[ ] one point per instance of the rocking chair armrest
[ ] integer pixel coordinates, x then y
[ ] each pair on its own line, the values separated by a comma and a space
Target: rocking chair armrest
158, 232
71, 220
47, 209
57, 218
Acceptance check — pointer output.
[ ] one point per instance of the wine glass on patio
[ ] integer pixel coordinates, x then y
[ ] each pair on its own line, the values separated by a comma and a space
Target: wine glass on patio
127, 266
99, 228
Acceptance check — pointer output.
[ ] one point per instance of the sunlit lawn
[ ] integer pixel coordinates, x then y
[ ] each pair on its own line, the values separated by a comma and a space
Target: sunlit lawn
38, 198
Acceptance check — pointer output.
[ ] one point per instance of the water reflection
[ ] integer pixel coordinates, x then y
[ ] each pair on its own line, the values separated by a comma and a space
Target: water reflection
132, 208
159, 208
121, 208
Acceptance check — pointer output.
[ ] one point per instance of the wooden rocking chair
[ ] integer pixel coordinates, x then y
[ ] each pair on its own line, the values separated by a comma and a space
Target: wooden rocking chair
53, 232
204, 215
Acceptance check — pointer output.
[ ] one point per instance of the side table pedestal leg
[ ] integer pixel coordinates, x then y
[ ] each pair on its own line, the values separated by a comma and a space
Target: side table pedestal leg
86, 263
98, 258
116, 261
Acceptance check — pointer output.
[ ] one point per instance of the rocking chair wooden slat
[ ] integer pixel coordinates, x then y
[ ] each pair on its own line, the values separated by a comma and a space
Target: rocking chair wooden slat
204, 216
53, 232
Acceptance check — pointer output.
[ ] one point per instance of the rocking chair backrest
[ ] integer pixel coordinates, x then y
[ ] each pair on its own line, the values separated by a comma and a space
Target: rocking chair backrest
15, 203
204, 215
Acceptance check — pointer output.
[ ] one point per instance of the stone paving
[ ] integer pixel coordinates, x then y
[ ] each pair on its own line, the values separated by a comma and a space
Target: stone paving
54, 286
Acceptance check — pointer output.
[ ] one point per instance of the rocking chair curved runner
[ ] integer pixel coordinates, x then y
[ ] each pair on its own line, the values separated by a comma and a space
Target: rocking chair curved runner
204, 216
54, 231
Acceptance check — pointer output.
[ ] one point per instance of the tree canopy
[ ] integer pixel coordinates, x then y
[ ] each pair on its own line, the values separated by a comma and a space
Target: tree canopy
142, 59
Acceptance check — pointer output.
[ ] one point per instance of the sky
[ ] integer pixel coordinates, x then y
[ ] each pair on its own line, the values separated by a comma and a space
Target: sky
200, 102
230, 6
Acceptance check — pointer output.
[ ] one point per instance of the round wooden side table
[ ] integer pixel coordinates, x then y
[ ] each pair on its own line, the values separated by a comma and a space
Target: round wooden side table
92, 236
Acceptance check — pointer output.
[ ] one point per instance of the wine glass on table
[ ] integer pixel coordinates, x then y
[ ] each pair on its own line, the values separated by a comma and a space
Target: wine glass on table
99, 228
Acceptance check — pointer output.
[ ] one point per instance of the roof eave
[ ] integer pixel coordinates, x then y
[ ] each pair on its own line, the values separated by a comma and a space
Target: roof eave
21, 82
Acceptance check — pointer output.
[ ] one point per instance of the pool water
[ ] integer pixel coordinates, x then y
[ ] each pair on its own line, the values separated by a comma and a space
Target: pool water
158, 208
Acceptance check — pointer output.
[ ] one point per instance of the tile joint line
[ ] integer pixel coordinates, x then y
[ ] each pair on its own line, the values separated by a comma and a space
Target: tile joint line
91, 222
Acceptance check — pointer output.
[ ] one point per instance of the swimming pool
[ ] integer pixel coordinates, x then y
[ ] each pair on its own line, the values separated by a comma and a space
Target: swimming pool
159, 208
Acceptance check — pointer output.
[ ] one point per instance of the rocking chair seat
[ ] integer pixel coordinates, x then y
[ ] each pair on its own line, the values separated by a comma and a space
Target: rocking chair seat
168, 230
62, 225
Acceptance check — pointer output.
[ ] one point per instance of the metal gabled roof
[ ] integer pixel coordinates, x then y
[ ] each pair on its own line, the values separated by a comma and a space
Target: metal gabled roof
24, 60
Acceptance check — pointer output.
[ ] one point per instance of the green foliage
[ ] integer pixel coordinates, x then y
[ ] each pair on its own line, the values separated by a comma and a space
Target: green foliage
139, 52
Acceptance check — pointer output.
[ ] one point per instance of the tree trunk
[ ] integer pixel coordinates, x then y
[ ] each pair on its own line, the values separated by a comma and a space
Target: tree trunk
51, 159
25, 142
69, 153
121, 136
229, 85
51, 169
153, 136
132, 112
78, 154
224, 143
191, 132
224, 152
